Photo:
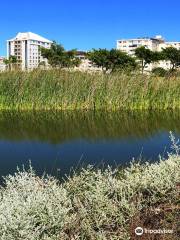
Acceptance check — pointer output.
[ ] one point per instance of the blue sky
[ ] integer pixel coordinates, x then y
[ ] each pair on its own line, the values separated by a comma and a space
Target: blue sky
86, 24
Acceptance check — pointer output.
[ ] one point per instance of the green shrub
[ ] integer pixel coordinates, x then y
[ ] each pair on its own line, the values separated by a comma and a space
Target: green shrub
161, 72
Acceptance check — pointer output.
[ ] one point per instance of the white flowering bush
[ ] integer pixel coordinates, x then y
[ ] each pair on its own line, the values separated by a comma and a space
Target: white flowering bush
107, 200
93, 204
32, 207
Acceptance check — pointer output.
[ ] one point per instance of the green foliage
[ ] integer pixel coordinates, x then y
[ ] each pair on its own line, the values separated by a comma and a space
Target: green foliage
173, 55
146, 56
99, 58
161, 72
94, 204
111, 59
11, 62
120, 60
58, 57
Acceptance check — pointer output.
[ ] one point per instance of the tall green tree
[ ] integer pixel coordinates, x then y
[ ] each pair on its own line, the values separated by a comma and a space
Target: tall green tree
57, 56
173, 55
111, 59
146, 56
120, 60
99, 57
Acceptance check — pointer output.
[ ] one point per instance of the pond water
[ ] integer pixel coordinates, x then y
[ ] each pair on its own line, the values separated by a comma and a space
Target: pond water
56, 142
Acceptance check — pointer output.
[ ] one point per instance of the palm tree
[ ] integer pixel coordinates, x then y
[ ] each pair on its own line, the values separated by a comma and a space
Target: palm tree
11, 62
6, 62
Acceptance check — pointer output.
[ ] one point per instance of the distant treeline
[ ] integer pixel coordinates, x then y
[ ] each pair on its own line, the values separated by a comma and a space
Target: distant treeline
107, 60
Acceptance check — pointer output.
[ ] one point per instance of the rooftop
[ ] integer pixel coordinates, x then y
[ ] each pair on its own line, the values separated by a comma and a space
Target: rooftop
30, 36
157, 38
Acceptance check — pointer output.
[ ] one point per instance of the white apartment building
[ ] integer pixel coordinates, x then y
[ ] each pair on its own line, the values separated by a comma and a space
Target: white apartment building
129, 45
26, 47
154, 44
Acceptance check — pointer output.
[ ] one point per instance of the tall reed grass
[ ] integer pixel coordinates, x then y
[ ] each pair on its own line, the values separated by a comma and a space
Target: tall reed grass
58, 89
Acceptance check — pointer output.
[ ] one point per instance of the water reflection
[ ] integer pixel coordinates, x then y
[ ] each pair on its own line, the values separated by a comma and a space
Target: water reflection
59, 139
59, 127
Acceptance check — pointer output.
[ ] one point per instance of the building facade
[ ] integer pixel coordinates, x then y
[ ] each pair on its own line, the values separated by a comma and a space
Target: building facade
130, 45
154, 44
26, 47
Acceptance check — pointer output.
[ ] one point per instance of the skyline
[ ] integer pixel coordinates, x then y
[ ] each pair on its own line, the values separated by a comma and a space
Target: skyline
91, 25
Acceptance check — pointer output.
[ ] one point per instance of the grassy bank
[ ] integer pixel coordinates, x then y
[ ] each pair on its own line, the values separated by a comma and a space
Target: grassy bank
93, 204
55, 89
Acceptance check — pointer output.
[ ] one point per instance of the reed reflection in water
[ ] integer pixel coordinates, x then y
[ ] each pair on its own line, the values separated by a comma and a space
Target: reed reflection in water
60, 140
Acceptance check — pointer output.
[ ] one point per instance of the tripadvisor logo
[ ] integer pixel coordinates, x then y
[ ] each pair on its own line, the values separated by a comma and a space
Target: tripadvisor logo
139, 231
